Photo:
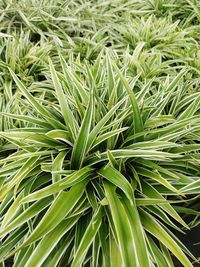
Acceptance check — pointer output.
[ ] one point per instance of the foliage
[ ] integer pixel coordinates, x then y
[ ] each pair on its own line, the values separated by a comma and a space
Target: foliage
99, 132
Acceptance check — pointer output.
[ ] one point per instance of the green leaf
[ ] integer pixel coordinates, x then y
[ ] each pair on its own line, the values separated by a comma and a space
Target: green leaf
29, 119
57, 165
48, 243
157, 177
115, 177
87, 238
107, 135
30, 98
59, 209
66, 111
12, 241
137, 119
29, 165
60, 135
12, 210
138, 234
192, 186
75, 178
79, 149
122, 227
25, 216
130, 153
154, 145
95, 131
151, 192
190, 111
72, 80
157, 255
152, 226
149, 201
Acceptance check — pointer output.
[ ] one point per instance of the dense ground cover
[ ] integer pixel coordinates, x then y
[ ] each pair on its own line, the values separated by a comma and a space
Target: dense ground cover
99, 132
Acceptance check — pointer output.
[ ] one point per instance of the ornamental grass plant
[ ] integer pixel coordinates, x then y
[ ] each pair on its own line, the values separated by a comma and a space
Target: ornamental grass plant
99, 132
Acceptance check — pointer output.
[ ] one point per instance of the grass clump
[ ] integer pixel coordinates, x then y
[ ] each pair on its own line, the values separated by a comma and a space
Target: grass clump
99, 132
